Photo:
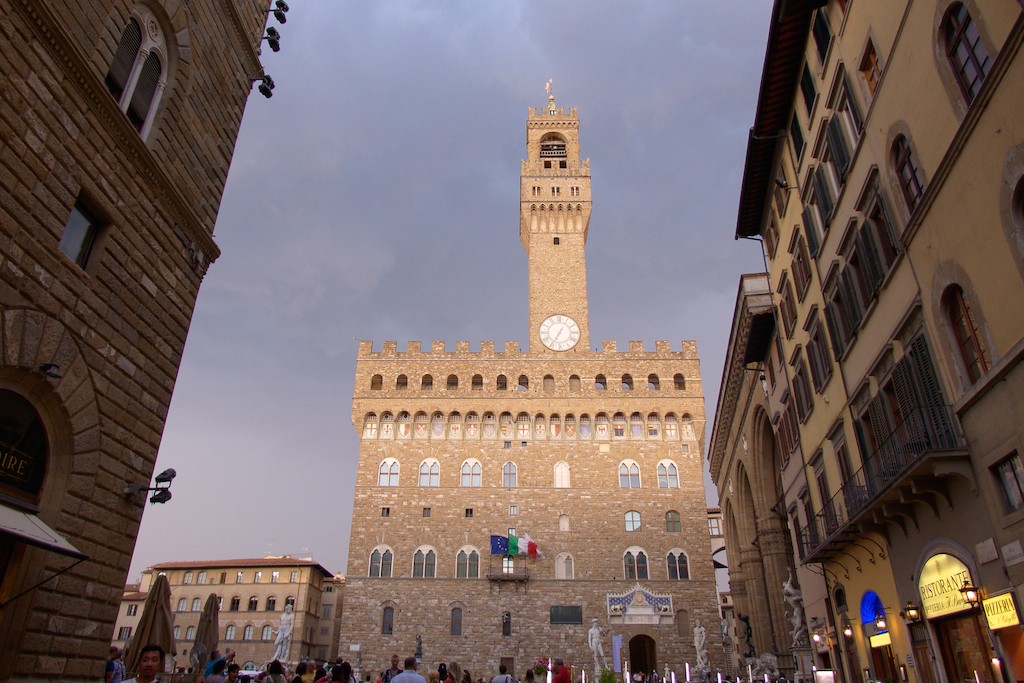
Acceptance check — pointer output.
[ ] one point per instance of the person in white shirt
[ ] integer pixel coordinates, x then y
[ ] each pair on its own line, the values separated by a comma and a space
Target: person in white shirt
409, 675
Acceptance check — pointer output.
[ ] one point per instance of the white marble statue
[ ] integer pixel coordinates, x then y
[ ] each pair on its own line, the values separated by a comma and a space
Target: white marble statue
700, 640
283, 642
594, 636
794, 598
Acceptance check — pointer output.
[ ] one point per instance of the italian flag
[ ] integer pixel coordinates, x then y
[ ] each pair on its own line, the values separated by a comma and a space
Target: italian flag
522, 545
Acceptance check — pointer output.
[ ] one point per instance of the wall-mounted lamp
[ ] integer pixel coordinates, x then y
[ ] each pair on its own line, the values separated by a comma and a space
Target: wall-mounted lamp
816, 637
51, 370
161, 494
911, 612
273, 39
278, 10
847, 628
970, 593
880, 621
266, 85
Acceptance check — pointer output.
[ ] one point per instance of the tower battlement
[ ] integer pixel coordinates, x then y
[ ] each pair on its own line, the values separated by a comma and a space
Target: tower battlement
609, 350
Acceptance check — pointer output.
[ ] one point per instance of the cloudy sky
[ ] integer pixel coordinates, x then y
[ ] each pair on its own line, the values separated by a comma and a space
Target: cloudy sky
376, 196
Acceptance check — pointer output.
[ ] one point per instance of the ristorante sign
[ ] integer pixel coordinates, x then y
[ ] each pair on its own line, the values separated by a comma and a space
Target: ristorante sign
942, 577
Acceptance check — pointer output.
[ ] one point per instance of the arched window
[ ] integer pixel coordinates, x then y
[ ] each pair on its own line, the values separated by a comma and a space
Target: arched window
453, 382
229, 632
634, 564
908, 173
668, 475
627, 383
387, 474
632, 521
235, 604
678, 565
188, 578
672, 522
197, 605
563, 522
401, 382
501, 383
600, 383
523, 384
246, 632
478, 383
427, 383
201, 578
387, 622
467, 564
549, 383
190, 633
508, 475
376, 383
290, 600
629, 475
182, 605
271, 603
136, 84
423, 563
456, 626
564, 566
973, 353
430, 473
471, 473
652, 383
254, 603
967, 54
561, 475
380, 562
679, 382
574, 383
177, 633
266, 633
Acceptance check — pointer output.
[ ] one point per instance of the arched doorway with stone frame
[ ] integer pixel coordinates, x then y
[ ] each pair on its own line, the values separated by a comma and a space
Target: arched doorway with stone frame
643, 654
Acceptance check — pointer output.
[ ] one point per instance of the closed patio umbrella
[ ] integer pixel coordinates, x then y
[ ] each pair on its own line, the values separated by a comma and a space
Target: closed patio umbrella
206, 634
156, 626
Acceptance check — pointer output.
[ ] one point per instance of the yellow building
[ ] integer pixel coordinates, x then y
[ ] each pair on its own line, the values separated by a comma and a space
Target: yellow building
114, 151
883, 175
252, 594
592, 451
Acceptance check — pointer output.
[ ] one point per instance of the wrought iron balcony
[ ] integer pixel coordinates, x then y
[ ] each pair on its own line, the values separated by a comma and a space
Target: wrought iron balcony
909, 467
514, 575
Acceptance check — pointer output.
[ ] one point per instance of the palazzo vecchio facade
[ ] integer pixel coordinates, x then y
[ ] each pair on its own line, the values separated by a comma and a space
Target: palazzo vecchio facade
594, 454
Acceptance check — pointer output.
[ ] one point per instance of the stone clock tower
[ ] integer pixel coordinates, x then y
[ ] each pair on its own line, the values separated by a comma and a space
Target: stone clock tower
554, 217
591, 450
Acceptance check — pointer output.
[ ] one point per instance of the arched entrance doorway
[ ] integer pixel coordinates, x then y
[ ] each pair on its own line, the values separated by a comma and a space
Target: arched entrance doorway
642, 655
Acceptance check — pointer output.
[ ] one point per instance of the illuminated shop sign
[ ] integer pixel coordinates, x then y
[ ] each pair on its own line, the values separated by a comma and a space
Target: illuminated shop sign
942, 577
1000, 611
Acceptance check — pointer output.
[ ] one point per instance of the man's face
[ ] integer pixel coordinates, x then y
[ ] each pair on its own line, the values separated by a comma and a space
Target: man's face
394, 661
233, 675
149, 665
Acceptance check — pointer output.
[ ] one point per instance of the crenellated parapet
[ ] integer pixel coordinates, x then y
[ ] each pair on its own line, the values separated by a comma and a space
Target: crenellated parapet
609, 351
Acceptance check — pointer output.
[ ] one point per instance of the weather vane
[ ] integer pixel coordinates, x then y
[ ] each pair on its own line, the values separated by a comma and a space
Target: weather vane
547, 87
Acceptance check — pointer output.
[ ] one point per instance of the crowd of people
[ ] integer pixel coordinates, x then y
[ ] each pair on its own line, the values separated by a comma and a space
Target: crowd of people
223, 669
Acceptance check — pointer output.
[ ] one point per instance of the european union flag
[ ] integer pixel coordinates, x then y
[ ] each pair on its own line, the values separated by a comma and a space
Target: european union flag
499, 545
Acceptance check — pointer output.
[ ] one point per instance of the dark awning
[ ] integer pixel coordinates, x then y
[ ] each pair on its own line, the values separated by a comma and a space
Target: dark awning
28, 528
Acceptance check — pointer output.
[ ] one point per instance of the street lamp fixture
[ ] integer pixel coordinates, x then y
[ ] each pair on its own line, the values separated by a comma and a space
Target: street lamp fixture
847, 629
880, 621
970, 593
911, 612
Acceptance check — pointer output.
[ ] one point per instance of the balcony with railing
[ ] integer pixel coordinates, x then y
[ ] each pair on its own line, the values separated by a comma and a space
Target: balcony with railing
911, 467
505, 575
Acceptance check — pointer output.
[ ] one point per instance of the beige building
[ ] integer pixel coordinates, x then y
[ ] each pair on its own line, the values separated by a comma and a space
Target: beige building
114, 157
883, 175
252, 594
594, 452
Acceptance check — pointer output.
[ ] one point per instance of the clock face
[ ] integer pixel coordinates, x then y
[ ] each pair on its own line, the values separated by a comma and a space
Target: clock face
559, 332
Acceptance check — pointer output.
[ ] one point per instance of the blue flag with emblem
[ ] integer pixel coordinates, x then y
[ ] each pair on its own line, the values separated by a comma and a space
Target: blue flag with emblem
499, 545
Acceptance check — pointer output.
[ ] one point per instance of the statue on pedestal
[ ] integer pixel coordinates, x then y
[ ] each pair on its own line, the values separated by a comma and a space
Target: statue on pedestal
594, 636
283, 642
794, 598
